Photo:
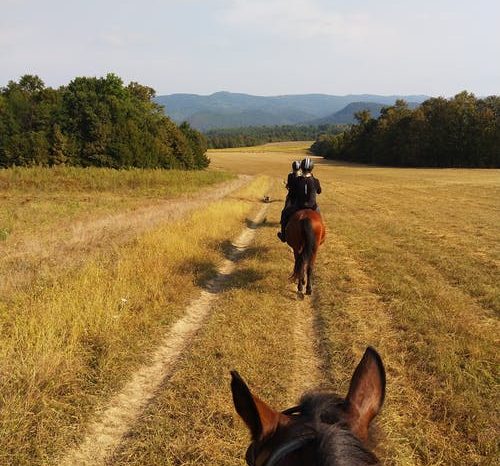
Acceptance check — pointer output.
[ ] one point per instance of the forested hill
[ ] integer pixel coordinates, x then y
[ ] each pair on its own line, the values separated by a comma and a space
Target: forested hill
231, 110
460, 132
346, 116
92, 122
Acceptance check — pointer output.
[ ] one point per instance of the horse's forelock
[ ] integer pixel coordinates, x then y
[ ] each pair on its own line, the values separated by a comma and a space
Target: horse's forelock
338, 445
325, 407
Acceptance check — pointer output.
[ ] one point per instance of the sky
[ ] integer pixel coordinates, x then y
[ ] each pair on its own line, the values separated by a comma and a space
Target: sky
263, 47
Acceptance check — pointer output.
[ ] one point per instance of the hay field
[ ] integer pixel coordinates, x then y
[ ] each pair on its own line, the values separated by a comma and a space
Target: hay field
71, 334
52, 219
410, 266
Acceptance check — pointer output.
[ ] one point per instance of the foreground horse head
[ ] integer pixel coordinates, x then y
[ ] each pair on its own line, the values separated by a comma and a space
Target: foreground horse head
323, 430
305, 232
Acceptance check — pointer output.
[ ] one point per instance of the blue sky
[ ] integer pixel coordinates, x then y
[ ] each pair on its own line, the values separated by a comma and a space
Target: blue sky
265, 47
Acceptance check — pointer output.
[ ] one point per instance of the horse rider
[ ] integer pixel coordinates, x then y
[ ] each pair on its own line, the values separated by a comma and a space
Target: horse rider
290, 184
305, 188
291, 196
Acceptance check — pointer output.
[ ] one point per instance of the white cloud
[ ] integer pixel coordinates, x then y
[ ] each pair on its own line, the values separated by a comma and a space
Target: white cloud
297, 18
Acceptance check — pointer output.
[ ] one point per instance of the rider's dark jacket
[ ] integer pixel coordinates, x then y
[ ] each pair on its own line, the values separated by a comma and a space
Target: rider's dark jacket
306, 188
291, 185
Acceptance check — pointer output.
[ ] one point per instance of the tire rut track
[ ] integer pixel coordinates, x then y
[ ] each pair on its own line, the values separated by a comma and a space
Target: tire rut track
307, 360
113, 422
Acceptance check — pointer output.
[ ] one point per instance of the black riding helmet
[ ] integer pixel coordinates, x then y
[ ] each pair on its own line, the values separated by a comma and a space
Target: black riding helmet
307, 165
295, 165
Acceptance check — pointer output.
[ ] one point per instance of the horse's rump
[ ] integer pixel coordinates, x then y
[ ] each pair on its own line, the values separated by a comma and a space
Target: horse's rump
305, 232
294, 232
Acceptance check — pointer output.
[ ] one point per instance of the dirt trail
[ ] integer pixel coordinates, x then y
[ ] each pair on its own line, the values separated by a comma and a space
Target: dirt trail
113, 422
307, 364
24, 259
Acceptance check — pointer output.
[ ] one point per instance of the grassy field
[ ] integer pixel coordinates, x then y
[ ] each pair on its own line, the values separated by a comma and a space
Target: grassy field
271, 159
35, 200
52, 220
410, 266
68, 342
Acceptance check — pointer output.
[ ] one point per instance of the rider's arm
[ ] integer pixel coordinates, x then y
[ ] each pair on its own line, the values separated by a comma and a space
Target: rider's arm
318, 186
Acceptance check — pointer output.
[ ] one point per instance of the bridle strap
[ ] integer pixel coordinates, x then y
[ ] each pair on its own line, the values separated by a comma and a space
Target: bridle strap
292, 410
289, 447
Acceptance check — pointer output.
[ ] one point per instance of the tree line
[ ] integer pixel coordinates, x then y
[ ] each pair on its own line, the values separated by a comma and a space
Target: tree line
460, 132
255, 135
92, 122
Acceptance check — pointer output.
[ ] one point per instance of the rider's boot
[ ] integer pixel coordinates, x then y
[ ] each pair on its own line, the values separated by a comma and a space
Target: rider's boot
281, 234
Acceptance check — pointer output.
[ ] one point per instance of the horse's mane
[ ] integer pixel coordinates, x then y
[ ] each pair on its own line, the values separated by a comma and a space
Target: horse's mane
338, 446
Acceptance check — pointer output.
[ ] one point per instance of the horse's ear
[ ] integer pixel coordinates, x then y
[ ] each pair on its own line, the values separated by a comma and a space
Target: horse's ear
366, 393
259, 417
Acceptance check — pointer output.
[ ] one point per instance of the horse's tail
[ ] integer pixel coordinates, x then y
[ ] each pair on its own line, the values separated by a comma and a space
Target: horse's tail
307, 251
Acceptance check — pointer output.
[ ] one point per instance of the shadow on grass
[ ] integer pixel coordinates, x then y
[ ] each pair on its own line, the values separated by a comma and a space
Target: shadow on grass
203, 271
240, 279
208, 276
263, 224
232, 253
324, 349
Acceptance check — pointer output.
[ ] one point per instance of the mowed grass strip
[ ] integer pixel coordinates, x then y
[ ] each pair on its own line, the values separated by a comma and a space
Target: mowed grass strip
403, 270
252, 326
272, 159
410, 266
453, 226
66, 347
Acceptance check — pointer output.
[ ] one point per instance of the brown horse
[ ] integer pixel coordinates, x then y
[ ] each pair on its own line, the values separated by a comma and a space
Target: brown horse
305, 231
323, 430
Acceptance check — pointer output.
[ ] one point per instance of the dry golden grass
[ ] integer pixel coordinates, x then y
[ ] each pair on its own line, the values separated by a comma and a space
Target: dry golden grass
66, 345
271, 159
410, 266
252, 328
52, 221
38, 200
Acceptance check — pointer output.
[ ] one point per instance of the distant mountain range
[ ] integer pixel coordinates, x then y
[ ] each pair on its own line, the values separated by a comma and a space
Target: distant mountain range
230, 110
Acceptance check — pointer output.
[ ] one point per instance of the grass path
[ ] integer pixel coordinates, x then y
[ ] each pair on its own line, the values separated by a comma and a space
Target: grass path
106, 433
410, 265
29, 256
67, 345
258, 326
307, 364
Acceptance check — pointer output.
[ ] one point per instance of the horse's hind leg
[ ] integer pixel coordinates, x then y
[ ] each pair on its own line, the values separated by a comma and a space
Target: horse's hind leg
300, 285
309, 279
300, 289
300, 280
